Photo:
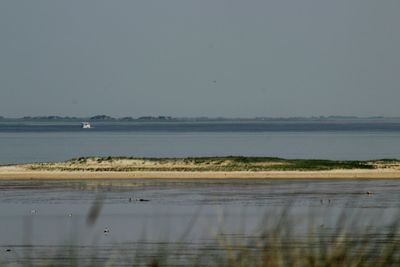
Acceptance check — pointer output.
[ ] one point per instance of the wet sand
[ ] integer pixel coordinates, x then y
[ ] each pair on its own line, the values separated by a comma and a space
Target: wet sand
23, 172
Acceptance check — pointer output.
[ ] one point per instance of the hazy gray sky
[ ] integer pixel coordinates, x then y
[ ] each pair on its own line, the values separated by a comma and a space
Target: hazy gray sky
231, 58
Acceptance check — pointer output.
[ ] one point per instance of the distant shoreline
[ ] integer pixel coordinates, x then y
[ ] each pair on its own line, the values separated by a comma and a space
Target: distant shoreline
106, 118
203, 168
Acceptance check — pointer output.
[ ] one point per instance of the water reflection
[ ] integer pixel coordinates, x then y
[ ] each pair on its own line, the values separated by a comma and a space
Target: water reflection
180, 212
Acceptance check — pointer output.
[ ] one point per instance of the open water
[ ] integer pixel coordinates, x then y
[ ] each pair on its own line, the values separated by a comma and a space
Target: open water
53, 141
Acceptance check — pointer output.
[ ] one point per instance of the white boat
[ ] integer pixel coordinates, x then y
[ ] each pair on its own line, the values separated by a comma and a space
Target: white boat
86, 125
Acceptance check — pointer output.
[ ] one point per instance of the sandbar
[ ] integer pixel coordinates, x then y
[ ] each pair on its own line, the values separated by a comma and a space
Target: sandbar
24, 172
202, 168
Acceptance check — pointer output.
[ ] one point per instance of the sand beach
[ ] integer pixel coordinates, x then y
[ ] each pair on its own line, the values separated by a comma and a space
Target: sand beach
200, 168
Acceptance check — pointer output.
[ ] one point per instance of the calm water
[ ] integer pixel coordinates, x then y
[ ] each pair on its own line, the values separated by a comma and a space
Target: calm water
30, 142
193, 212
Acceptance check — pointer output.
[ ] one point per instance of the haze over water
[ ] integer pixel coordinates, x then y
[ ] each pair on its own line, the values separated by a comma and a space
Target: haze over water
194, 58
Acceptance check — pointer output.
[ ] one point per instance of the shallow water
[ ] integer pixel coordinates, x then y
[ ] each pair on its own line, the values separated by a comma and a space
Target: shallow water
188, 211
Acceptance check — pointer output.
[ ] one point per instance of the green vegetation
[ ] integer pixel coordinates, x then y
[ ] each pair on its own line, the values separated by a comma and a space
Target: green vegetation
230, 163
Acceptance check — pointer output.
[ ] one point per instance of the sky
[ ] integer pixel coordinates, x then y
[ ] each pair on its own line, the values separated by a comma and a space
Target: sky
187, 58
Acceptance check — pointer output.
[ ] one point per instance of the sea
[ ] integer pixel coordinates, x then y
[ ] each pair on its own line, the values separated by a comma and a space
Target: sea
103, 222
357, 139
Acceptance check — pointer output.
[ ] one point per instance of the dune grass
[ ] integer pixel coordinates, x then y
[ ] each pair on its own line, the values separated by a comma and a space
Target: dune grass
230, 163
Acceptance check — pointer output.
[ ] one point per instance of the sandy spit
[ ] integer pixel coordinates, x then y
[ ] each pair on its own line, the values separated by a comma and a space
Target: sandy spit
20, 172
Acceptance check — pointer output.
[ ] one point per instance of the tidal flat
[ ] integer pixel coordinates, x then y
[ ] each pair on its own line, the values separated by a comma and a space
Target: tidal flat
205, 222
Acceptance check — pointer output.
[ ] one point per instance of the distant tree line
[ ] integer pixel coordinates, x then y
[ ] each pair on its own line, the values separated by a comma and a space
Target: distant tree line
169, 118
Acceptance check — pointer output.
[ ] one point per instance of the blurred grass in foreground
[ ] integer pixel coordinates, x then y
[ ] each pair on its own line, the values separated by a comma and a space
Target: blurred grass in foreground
277, 243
